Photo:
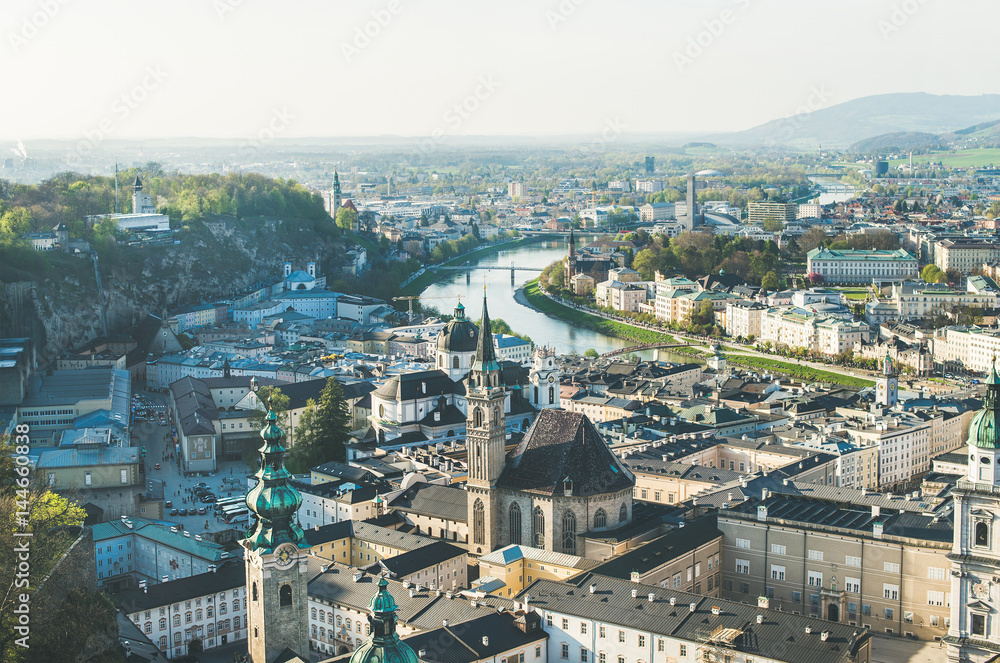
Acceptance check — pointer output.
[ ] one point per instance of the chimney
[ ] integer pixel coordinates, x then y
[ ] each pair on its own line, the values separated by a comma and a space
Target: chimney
824, 635
762, 512
635, 593
444, 622
876, 510
422, 653
673, 600
651, 596
692, 606
593, 588
716, 610
486, 641
808, 629
877, 529
760, 619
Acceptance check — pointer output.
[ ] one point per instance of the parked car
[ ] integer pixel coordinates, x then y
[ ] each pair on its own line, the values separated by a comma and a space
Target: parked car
183, 512
201, 511
208, 499
168, 504
201, 485
175, 512
156, 467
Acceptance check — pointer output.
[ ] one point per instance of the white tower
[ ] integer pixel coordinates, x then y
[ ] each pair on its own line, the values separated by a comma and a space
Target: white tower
887, 385
544, 378
975, 554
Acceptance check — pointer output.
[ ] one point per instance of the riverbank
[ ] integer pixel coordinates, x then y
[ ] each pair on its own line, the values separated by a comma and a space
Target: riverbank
420, 283
531, 296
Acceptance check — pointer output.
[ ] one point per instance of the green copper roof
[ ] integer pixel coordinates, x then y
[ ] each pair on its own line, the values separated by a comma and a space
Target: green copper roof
273, 500
984, 426
383, 645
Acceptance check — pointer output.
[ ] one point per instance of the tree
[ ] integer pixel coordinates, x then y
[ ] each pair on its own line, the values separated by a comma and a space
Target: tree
347, 218
646, 262
591, 353
812, 238
770, 281
773, 225
324, 430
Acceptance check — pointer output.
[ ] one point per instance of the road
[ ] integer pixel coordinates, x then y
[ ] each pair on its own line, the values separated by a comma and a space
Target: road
177, 488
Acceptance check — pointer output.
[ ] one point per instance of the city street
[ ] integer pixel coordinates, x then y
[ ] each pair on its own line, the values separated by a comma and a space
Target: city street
178, 489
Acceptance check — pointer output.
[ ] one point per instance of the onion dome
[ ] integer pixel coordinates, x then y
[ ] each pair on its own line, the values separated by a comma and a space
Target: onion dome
383, 645
984, 426
459, 335
273, 500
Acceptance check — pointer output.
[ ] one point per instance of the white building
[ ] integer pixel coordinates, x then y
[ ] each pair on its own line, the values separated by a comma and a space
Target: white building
844, 266
512, 348
208, 610
810, 211
743, 318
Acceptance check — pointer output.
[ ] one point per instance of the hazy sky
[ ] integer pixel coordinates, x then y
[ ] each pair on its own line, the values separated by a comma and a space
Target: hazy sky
229, 68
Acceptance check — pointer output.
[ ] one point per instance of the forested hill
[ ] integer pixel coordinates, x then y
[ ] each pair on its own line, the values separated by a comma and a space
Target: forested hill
230, 232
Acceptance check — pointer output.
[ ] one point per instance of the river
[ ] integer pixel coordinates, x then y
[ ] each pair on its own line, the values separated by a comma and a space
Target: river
543, 330
833, 190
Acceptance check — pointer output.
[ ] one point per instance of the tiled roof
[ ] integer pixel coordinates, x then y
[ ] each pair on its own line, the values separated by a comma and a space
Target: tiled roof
433, 500
412, 561
229, 576
561, 445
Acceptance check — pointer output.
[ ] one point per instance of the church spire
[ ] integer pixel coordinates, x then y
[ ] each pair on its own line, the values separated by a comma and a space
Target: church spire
273, 500
486, 358
383, 644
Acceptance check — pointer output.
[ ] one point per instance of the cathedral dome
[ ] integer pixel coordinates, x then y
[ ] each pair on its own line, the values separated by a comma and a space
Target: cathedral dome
983, 429
459, 335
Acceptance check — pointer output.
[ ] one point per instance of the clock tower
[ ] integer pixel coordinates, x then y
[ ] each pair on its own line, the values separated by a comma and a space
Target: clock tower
974, 634
887, 385
276, 566
486, 434
544, 378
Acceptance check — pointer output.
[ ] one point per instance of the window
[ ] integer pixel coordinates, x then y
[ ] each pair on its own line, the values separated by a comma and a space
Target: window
816, 555
514, 516
661, 645
621, 636
565, 624
583, 628
982, 529
621, 659
602, 658
935, 573
478, 522
743, 566
623, 514
852, 585
148, 627
569, 533
86, 479
642, 641
600, 519
177, 620
744, 588
548, 621
888, 613
890, 567
866, 610
565, 650
602, 632
684, 651
538, 528
538, 651
222, 608
815, 579
890, 591
797, 597
851, 560
777, 572
777, 549
743, 543
643, 496
284, 597
935, 598
978, 624
163, 624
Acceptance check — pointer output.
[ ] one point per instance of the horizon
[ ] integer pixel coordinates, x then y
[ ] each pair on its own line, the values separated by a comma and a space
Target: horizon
228, 69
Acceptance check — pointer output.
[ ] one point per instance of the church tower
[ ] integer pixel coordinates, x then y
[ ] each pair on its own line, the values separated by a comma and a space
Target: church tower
975, 553
383, 644
335, 196
887, 385
486, 428
571, 257
544, 378
276, 563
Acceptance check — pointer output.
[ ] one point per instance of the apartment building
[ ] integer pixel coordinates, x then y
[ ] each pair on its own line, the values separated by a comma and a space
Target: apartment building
904, 445
759, 211
651, 212
743, 318
965, 348
192, 614
846, 266
620, 296
831, 553
810, 211
964, 254
820, 332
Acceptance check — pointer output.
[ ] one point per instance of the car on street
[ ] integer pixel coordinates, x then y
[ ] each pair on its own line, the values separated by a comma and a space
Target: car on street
183, 512
156, 467
168, 504
175, 512
201, 511
201, 484
208, 499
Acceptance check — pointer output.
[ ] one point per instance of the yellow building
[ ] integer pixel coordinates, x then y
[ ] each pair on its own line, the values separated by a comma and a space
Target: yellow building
507, 571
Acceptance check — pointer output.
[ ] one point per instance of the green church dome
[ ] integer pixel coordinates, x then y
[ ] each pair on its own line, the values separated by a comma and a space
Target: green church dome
984, 426
383, 645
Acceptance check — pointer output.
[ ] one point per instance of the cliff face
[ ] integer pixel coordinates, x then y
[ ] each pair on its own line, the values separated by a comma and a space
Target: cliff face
215, 259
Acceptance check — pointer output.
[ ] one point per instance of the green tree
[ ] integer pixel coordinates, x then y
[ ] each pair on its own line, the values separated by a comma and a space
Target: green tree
773, 225
591, 353
324, 430
646, 262
347, 218
770, 281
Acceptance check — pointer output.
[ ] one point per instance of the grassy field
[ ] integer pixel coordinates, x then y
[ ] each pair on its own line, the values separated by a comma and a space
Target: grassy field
956, 159
587, 321
800, 371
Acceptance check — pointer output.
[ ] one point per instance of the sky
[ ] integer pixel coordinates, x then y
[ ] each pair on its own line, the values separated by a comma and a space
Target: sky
315, 68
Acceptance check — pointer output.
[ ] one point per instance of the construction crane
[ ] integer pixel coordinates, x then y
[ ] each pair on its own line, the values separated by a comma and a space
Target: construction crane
411, 298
